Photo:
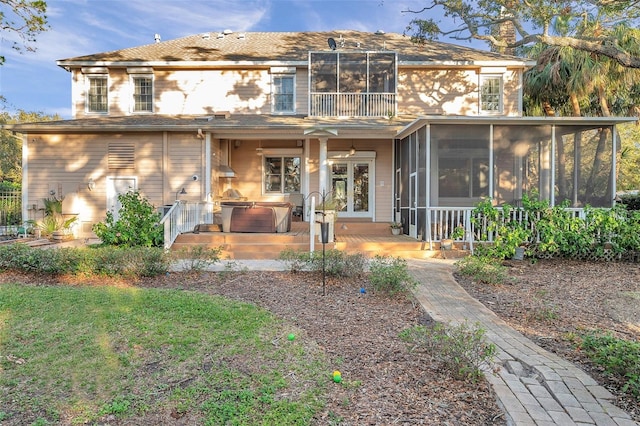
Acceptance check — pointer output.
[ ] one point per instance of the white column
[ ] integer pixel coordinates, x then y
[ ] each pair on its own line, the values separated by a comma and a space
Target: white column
208, 196
322, 175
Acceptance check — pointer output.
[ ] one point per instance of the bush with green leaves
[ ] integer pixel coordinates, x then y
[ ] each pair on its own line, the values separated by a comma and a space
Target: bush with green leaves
620, 358
296, 261
197, 258
110, 261
555, 231
503, 227
390, 275
336, 263
462, 349
137, 223
482, 269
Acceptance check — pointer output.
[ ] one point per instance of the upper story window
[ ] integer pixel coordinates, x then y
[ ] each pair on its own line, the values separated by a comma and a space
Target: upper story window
359, 84
491, 94
97, 93
282, 174
283, 93
142, 93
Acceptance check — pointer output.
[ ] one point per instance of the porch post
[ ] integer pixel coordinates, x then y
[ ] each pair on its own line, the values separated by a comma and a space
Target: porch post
323, 135
614, 165
322, 175
207, 167
552, 161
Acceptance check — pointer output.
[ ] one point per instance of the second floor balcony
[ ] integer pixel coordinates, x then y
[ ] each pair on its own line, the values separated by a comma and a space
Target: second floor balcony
352, 104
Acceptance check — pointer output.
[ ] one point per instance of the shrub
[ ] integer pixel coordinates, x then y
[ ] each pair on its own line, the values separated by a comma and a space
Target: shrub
197, 258
462, 349
296, 261
136, 262
137, 223
338, 263
618, 357
390, 275
482, 269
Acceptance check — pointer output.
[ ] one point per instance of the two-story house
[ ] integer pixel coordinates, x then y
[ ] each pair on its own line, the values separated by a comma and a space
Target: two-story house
392, 130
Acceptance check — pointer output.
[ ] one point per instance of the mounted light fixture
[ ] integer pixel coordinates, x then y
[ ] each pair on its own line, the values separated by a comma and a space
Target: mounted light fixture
181, 192
352, 151
91, 185
200, 135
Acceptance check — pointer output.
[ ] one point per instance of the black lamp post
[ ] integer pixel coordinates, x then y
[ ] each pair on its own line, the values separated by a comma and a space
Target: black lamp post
324, 234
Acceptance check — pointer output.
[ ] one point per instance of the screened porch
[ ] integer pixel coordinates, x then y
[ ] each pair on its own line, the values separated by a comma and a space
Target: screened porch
443, 169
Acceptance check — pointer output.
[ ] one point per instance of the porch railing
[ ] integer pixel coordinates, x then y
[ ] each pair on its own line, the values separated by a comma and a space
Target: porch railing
352, 104
442, 222
183, 216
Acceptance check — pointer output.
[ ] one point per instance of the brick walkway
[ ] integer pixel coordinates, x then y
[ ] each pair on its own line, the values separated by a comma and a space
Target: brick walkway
534, 386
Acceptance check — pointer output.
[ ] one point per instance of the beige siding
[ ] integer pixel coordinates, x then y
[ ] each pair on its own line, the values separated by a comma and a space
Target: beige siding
119, 90
446, 92
512, 93
437, 92
65, 163
420, 92
194, 92
206, 91
302, 91
185, 159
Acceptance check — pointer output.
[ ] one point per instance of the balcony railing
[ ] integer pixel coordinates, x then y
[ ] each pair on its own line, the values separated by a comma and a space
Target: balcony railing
352, 104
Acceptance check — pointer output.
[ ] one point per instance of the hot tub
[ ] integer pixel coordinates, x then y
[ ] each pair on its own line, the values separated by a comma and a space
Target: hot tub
256, 216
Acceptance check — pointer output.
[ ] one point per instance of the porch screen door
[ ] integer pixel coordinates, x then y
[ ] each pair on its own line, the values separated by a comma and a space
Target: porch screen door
413, 203
351, 186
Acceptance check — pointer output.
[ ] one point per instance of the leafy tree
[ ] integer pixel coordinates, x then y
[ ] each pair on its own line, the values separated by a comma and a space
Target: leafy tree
24, 19
11, 145
533, 21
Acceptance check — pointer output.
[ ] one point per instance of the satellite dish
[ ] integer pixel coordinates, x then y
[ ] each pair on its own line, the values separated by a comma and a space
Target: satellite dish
332, 43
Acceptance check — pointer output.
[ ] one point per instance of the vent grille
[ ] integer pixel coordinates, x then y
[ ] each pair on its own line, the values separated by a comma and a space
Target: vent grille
121, 156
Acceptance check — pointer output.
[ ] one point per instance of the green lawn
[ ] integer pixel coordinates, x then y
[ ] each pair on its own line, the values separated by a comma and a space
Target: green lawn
75, 354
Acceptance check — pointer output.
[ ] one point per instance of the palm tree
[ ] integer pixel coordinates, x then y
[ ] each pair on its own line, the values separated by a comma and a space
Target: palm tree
575, 82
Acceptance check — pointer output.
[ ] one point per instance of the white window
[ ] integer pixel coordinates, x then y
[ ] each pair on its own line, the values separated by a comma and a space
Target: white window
491, 94
282, 174
97, 93
283, 90
142, 93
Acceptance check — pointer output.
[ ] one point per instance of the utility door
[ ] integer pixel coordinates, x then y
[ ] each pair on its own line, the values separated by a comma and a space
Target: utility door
118, 185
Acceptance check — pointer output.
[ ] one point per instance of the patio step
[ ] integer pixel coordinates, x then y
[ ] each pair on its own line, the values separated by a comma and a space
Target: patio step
368, 238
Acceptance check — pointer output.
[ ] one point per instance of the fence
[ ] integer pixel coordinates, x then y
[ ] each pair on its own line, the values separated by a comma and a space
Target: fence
10, 212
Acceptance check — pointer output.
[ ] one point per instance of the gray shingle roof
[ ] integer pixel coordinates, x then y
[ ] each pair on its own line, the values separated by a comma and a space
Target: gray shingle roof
285, 47
234, 123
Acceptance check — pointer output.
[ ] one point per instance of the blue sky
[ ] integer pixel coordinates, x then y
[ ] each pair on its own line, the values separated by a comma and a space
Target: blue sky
33, 81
